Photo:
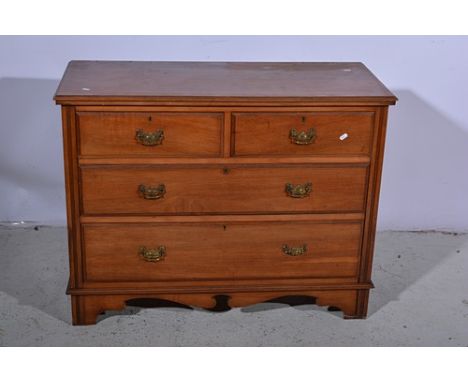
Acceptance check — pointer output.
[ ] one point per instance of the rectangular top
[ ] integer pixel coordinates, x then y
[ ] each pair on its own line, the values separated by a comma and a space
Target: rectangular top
101, 82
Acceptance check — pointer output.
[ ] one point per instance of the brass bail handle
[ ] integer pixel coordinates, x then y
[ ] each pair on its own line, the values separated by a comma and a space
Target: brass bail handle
152, 255
154, 138
298, 190
149, 192
294, 251
302, 137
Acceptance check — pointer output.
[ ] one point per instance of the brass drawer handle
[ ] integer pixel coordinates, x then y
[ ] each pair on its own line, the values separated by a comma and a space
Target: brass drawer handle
152, 192
151, 138
153, 255
298, 190
294, 251
302, 137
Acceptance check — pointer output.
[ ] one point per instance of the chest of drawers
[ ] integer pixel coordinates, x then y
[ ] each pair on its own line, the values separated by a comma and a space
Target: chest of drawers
212, 184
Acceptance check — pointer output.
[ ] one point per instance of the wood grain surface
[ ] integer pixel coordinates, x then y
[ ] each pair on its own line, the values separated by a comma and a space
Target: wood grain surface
139, 81
221, 251
224, 161
185, 134
335, 133
221, 190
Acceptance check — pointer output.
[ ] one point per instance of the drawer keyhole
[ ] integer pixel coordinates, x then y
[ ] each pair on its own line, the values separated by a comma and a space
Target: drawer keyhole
225, 171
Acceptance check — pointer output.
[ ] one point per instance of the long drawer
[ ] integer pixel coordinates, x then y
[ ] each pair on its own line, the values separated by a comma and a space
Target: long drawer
302, 134
222, 190
227, 250
154, 134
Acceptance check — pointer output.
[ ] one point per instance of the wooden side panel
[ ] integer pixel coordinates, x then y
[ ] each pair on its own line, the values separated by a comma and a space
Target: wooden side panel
220, 190
72, 195
372, 199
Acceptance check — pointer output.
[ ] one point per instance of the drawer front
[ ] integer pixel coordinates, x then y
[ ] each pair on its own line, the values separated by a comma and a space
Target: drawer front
299, 134
218, 190
154, 252
150, 134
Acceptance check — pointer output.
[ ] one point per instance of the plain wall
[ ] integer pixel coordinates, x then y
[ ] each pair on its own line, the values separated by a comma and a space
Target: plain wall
425, 177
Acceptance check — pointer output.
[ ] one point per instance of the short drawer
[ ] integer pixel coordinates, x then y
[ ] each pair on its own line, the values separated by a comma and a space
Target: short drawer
150, 134
155, 252
221, 190
302, 134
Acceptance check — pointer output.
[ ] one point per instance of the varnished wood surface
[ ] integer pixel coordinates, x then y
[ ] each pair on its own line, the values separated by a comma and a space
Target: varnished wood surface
225, 214
221, 251
245, 107
327, 160
71, 186
138, 81
263, 134
373, 198
129, 219
220, 286
86, 308
221, 190
185, 134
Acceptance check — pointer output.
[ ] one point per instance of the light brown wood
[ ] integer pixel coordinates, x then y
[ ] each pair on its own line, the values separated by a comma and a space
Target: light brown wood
185, 134
128, 219
227, 134
269, 133
213, 81
373, 198
86, 308
70, 184
225, 159
215, 286
237, 161
221, 251
245, 107
225, 286
219, 190
73, 195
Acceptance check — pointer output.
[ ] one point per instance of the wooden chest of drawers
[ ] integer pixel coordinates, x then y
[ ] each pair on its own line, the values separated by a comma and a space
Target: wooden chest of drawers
207, 182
